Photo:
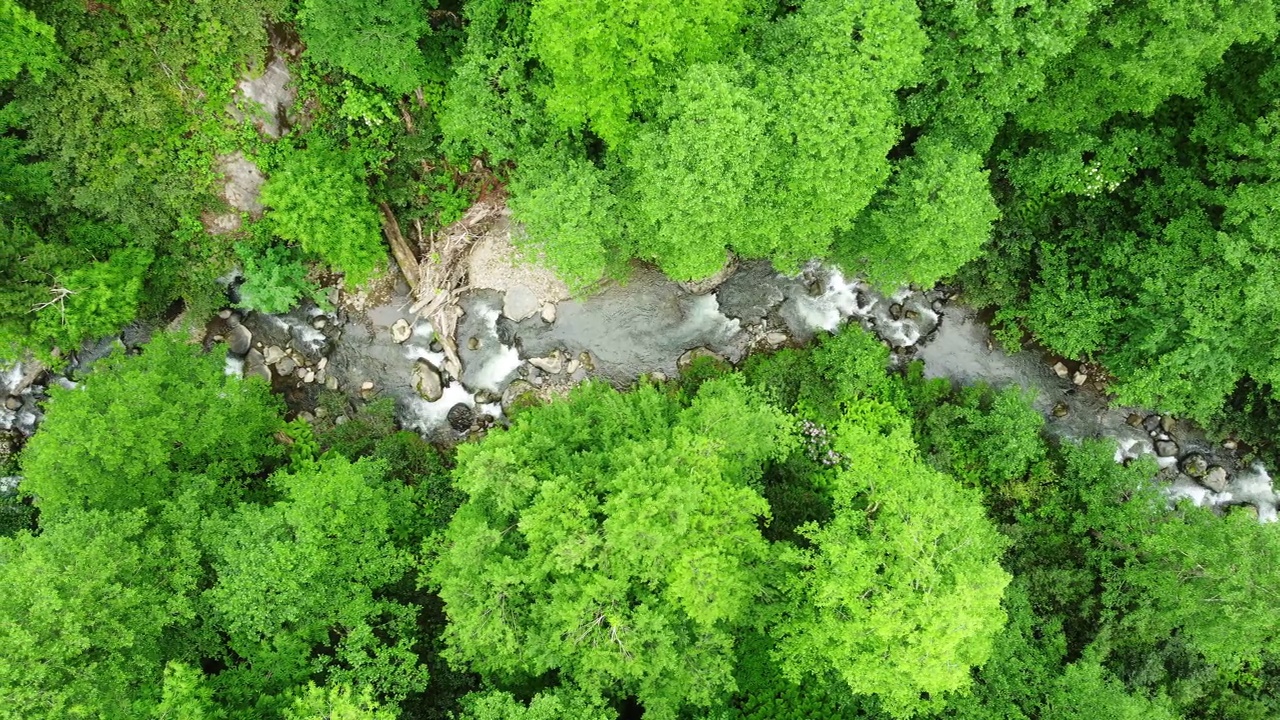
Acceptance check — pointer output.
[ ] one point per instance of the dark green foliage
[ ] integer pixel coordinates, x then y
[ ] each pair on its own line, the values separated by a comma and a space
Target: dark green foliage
143, 425
274, 280
375, 40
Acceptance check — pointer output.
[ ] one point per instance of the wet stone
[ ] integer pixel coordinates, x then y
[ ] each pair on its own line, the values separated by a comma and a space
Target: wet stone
1151, 424
505, 328
1166, 448
1061, 410
1061, 370
518, 392
1080, 379
1134, 420
549, 313
473, 343
331, 383
1215, 478
273, 354
13, 402
1195, 465
286, 366
1167, 423
552, 364
426, 381
239, 340
895, 311
460, 417
401, 331
484, 397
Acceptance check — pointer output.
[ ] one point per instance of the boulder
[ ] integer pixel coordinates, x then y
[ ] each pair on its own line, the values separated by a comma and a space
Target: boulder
1166, 448
331, 383
273, 354
1134, 420
520, 302
426, 380
505, 328
518, 394
1194, 465
286, 366
551, 364
895, 311
1167, 423
549, 313
588, 362
401, 331
706, 285
689, 356
1215, 478
1080, 378
13, 402
1061, 370
484, 397
1151, 424
775, 338
239, 340
460, 417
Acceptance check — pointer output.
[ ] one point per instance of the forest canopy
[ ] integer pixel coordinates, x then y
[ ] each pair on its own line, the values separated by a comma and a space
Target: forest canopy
818, 532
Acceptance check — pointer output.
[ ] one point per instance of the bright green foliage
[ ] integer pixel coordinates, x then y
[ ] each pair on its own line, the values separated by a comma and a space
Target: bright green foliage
617, 538
375, 40
1087, 691
140, 425
306, 570
273, 280
91, 301
571, 215
84, 608
318, 200
560, 704
695, 178
25, 43
933, 217
336, 702
186, 694
900, 592
611, 60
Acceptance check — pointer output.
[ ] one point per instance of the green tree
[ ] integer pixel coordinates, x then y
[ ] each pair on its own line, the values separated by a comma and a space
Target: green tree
613, 538
610, 61
142, 426
308, 572
375, 40
899, 593
27, 43
1087, 690
933, 217
83, 614
336, 702
319, 200
560, 704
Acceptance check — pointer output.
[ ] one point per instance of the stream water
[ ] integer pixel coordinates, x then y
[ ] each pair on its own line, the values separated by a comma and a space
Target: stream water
645, 326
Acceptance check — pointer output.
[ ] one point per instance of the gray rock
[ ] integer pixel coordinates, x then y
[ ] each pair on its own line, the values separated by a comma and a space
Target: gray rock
426, 380
572, 366
1134, 420
895, 311
1061, 370
319, 322
937, 305
310, 377
1080, 378
549, 313
224, 314
460, 417
658, 376
706, 285
1215, 478
331, 383
552, 364
306, 417
517, 393
1230, 445
1166, 448
689, 356
401, 331
473, 343
1195, 465
1151, 424
505, 328
13, 402
233, 319
775, 338
257, 370
274, 354
239, 340
520, 302
286, 366
1167, 423
484, 397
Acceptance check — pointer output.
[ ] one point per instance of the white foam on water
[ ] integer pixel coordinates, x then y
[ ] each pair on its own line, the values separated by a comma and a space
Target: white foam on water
493, 410
497, 368
427, 416
704, 310
418, 352
10, 377
233, 366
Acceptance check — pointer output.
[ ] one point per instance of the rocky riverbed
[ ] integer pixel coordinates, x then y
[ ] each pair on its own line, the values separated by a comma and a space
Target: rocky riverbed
520, 336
